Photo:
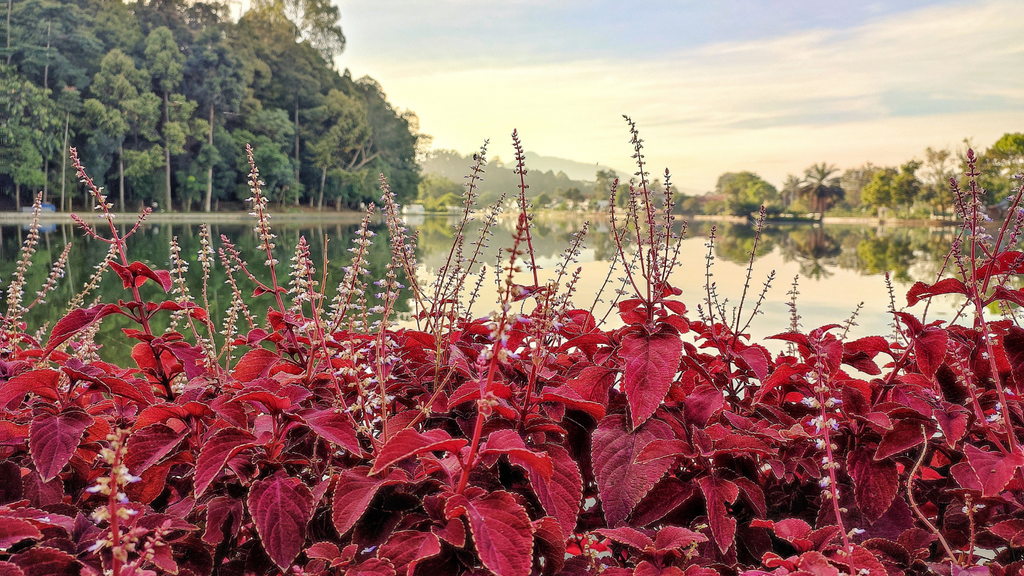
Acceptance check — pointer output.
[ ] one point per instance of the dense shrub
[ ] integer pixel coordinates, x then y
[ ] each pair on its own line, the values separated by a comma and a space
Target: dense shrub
324, 439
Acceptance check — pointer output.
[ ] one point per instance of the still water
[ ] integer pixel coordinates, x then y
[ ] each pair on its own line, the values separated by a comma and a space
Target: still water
838, 266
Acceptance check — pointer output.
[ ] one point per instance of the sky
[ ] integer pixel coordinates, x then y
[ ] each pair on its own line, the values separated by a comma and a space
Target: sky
770, 86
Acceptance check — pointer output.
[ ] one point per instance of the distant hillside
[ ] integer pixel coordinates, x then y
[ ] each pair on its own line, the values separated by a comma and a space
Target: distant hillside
499, 177
573, 169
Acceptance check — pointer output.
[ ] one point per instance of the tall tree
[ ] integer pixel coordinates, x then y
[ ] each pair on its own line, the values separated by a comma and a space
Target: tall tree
821, 187
123, 105
214, 78
313, 21
166, 64
341, 144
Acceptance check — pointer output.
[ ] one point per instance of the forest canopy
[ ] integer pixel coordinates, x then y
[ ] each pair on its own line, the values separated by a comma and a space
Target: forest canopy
161, 98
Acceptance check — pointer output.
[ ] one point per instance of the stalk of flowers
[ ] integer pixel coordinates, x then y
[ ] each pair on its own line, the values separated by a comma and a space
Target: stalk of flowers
94, 279
56, 273
403, 244
500, 325
183, 297
982, 246
450, 276
825, 424
205, 257
232, 262
115, 510
351, 293
16, 290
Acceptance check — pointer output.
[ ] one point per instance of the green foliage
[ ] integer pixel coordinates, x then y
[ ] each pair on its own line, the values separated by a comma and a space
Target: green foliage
175, 87
436, 193
745, 192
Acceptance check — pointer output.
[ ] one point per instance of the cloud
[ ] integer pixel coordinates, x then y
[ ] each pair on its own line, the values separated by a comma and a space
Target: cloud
879, 91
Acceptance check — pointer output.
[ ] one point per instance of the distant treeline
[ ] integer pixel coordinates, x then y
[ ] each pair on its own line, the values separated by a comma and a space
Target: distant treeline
161, 97
918, 187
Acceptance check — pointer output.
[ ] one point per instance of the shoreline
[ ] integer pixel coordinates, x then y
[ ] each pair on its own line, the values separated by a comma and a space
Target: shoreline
183, 217
356, 216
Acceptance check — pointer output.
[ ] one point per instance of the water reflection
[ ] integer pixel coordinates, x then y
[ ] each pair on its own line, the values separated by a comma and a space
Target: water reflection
838, 265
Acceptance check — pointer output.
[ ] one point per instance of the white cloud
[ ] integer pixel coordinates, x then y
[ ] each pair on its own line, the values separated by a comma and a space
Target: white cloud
881, 91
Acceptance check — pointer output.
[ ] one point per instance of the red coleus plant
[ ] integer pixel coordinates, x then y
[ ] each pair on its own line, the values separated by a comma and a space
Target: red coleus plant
532, 441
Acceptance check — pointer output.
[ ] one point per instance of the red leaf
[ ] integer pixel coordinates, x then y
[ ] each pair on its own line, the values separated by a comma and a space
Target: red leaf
406, 548
628, 536
593, 383
149, 445
255, 363
569, 398
921, 291
905, 434
46, 561
674, 538
42, 383
702, 403
281, 507
502, 533
13, 530
994, 470
875, 482
136, 273
717, 493
1013, 344
509, 442
560, 494
930, 349
756, 359
8, 569
76, 321
409, 442
621, 481
651, 363
352, 495
221, 510
53, 439
224, 444
334, 427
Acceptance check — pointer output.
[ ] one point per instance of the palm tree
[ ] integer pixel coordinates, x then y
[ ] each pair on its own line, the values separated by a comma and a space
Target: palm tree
821, 188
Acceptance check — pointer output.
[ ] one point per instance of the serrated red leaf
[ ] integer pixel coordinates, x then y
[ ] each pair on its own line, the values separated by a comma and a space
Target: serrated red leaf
46, 561
593, 383
281, 507
561, 493
717, 493
621, 481
42, 383
149, 445
628, 536
334, 427
757, 359
921, 291
220, 511
930, 349
905, 434
650, 365
509, 442
53, 439
676, 537
224, 444
502, 533
8, 569
875, 482
702, 403
13, 530
407, 548
409, 442
255, 363
76, 321
352, 495
994, 470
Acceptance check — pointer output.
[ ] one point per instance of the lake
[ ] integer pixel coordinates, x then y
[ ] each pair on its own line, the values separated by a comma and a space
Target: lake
838, 266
